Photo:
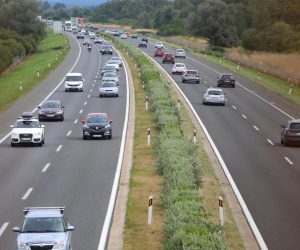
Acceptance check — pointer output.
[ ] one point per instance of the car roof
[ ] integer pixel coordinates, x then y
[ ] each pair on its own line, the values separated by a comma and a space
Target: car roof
51, 101
295, 121
74, 74
215, 89
43, 213
89, 114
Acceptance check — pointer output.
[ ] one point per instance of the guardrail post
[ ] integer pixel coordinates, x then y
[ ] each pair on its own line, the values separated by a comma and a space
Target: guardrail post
21, 86
148, 137
150, 204
194, 136
146, 102
38, 72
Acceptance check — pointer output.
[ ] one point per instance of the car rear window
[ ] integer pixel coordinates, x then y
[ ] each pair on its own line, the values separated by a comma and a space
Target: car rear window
191, 72
74, 78
295, 126
215, 92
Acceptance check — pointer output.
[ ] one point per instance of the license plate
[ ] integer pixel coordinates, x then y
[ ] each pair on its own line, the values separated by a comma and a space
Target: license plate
298, 134
25, 139
97, 135
50, 115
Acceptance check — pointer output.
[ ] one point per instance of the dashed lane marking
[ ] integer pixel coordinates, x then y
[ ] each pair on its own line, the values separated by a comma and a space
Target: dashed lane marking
270, 142
59, 148
288, 160
245, 117
3, 227
28, 192
46, 167
256, 128
75, 121
80, 111
69, 133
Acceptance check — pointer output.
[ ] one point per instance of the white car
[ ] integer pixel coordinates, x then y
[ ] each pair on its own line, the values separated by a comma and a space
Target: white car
159, 45
214, 96
110, 76
74, 81
92, 35
27, 130
180, 53
113, 63
98, 39
118, 59
109, 88
178, 68
123, 36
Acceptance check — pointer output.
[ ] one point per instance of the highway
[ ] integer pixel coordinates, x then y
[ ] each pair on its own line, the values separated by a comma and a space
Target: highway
66, 171
247, 134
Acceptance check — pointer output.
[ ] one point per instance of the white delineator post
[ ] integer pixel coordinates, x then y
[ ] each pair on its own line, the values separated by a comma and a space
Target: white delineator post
221, 211
21, 86
38, 72
194, 136
150, 203
148, 137
146, 102
291, 88
178, 104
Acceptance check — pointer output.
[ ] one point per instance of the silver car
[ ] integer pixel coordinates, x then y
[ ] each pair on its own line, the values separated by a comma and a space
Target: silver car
44, 228
110, 76
180, 53
109, 88
113, 63
118, 59
214, 96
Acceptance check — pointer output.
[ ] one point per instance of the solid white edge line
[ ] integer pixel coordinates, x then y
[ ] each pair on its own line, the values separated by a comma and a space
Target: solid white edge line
238, 195
114, 191
3, 227
288, 160
35, 109
270, 142
26, 195
46, 167
59, 148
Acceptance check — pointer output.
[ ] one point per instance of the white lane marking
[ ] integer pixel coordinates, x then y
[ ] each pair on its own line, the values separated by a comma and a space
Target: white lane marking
245, 209
85, 103
91, 90
80, 111
245, 117
69, 133
270, 142
75, 121
93, 84
95, 80
3, 227
59, 148
256, 128
63, 80
26, 195
46, 167
234, 107
288, 160
88, 96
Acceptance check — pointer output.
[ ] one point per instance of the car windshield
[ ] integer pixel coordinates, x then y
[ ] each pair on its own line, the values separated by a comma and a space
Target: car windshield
180, 50
191, 72
43, 225
115, 58
111, 62
74, 78
27, 124
180, 65
105, 47
227, 76
295, 126
110, 74
215, 92
108, 84
51, 105
96, 119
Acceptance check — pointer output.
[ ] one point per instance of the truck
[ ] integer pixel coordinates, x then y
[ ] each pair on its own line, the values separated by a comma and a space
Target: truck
68, 26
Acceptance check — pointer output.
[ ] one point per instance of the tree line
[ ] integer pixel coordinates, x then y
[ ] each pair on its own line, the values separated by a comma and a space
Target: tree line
269, 25
20, 30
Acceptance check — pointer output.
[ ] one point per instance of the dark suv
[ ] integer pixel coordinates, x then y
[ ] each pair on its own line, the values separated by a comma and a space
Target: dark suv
226, 79
51, 110
168, 58
291, 132
106, 49
145, 39
97, 125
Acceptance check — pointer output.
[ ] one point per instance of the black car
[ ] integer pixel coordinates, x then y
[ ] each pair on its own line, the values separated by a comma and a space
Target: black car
145, 39
143, 44
51, 110
291, 132
226, 80
106, 49
97, 125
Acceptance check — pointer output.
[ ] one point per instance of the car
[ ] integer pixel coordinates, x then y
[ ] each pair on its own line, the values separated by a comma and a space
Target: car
143, 44
145, 39
226, 79
106, 49
180, 53
98, 39
86, 42
113, 63
74, 82
27, 130
75, 31
190, 76
96, 125
110, 76
44, 228
106, 69
134, 35
80, 35
178, 68
290, 132
123, 36
159, 45
51, 110
92, 35
118, 59
109, 88
159, 53
214, 96
168, 58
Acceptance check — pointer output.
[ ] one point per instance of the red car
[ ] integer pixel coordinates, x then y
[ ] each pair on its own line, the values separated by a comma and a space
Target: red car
168, 58
159, 53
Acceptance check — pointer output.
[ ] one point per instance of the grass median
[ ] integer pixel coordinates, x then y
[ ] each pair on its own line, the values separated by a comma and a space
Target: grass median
27, 74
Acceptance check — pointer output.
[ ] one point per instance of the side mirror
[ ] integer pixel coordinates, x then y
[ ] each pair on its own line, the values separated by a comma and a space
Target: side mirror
16, 229
42, 126
82, 121
110, 121
62, 107
70, 228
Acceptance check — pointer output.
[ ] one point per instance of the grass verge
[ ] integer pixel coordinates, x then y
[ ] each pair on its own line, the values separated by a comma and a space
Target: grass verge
22, 78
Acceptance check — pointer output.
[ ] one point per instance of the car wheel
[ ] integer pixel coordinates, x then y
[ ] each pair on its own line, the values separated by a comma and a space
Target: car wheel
81, 90
12, 144
100, 96
183, 81
117, 95
281, 140
66, 90
40, 144
286, 143
233, 85
84, 137
198, 82
109, 136
62, 118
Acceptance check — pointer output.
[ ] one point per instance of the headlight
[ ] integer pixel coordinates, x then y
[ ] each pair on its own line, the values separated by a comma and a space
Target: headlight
86, 127
107, 126
59, 112
14, 135
60, 245
41, 112
22, 245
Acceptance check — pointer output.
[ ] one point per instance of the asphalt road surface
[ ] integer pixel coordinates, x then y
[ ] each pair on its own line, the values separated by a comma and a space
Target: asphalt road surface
247, 134
66, 171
